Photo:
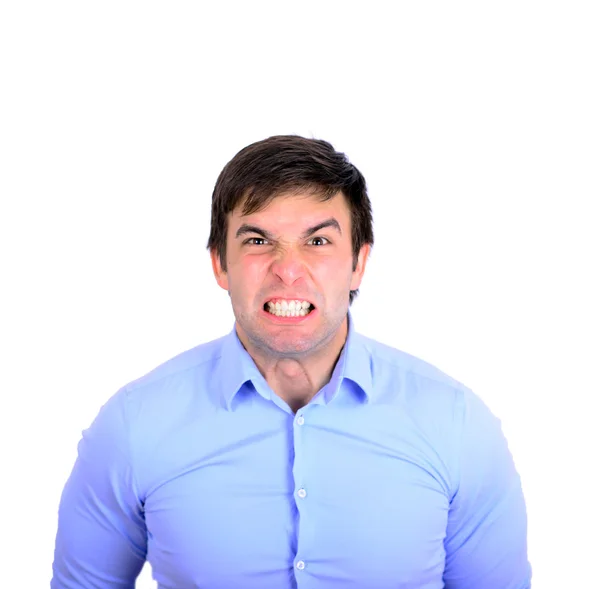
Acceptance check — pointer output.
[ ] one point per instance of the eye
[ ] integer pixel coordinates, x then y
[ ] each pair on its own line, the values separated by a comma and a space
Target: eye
319, 241
254, 240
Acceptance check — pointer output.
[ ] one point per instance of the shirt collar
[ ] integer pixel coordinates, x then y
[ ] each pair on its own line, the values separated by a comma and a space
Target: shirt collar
354, 364
238, 368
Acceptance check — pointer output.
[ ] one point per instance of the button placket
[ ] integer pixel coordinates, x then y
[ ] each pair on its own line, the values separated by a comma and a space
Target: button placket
300, 493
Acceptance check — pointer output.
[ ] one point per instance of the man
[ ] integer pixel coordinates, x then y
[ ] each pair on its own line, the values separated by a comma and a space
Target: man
293, 452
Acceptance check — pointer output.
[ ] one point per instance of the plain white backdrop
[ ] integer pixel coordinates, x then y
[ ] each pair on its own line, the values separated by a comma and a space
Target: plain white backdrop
477, 127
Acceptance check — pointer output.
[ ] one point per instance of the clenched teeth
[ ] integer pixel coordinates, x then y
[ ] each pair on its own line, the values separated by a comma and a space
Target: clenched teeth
289, 308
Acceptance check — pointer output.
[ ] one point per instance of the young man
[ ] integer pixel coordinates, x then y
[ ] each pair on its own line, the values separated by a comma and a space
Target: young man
293, 452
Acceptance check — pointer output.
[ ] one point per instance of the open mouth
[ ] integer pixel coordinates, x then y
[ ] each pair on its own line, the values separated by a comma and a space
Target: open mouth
297, 308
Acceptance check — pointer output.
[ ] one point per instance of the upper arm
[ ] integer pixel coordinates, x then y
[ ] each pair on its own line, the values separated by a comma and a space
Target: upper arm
101, 538
486, 540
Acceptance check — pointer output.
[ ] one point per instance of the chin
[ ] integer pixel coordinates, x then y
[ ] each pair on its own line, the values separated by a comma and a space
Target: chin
282, 346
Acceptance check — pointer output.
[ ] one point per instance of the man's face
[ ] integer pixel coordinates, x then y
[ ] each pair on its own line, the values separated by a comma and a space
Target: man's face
297, 252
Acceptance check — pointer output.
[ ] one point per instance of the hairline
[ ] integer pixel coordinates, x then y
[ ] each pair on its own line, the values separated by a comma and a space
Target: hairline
263, 200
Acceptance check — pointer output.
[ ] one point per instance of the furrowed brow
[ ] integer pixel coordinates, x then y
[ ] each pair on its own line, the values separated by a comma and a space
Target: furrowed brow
245, 229
324, 225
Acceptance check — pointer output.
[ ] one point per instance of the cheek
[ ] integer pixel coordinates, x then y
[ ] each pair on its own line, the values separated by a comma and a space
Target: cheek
333, 272
249, 272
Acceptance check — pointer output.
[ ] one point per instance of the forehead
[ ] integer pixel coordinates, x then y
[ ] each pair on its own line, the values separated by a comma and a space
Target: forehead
296, 208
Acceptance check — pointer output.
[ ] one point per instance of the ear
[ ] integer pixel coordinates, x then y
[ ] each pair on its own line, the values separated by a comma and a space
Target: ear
220, 274
361, 263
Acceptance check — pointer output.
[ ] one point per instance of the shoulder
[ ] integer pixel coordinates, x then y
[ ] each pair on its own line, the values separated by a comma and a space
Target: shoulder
415, 379
449, 414
169, 387
199, 357
433, 398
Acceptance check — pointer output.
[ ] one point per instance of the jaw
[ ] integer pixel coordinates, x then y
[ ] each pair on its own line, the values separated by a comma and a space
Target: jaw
268, 337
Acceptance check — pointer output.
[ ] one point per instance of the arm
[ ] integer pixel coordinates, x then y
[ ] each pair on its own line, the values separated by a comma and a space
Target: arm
486, 540
101, 538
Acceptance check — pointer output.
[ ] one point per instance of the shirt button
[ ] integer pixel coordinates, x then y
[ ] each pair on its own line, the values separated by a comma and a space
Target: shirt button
301, 493
300, 565
300, 420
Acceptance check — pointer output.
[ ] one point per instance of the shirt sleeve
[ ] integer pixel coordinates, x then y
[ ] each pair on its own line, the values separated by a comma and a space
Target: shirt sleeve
101, 538
486, 540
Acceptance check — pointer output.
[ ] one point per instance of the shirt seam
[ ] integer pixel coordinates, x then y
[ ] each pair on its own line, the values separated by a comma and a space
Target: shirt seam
130, 453
458, 389
460, 442
136, 385
447, 381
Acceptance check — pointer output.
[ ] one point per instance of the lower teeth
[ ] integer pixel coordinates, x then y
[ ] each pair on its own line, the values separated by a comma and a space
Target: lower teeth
301, 313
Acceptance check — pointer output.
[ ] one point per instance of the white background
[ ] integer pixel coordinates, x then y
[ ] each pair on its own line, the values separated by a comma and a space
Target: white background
477, 127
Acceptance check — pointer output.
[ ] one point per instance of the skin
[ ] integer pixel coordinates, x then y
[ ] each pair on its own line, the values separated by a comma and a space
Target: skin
296, 359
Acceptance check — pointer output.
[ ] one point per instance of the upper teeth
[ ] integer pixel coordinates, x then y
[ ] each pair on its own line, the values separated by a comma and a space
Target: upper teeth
288, 308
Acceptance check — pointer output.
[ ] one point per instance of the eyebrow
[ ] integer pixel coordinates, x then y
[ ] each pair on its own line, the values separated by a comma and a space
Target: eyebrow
247, 228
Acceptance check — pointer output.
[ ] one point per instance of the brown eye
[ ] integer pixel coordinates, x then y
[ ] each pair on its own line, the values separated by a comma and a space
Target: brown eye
253, 240
319, 241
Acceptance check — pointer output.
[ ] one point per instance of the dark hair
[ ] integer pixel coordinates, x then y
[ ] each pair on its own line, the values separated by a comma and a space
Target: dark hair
287, 164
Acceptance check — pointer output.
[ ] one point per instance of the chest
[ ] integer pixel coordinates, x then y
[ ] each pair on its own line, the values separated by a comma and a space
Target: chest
298, 506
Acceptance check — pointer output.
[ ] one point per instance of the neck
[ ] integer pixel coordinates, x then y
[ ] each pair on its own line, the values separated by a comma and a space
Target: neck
297, 379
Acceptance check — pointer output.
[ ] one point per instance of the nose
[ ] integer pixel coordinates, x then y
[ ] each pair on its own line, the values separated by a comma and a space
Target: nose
288, 266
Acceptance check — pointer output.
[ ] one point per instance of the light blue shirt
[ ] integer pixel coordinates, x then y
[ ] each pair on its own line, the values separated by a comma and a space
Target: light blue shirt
393, 476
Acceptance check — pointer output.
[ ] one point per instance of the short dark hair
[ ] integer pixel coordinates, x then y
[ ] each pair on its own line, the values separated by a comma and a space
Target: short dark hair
287, 164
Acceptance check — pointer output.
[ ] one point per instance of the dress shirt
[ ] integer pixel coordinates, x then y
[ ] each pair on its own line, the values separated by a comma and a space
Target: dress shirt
393, 476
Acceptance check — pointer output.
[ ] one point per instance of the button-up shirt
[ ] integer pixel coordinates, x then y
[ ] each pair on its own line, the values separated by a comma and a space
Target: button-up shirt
394, 475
